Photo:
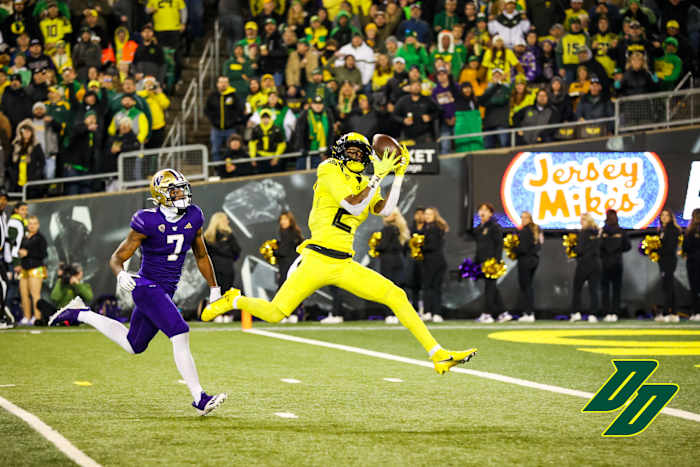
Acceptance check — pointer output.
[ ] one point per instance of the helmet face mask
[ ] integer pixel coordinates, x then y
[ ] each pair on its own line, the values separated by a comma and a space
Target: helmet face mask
171, 189
353, 140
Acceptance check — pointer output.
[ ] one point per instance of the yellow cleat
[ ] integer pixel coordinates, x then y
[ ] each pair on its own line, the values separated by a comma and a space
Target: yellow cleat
446, 359
221, 306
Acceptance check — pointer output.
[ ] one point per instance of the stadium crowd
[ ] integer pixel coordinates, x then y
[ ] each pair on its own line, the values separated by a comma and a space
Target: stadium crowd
300, 73
82, 81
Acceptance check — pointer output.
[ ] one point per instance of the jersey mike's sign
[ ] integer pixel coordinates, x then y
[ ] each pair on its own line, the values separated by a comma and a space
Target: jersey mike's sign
558, 187
424, 160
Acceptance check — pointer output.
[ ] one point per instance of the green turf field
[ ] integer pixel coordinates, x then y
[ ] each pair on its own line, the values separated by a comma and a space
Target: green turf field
136, 413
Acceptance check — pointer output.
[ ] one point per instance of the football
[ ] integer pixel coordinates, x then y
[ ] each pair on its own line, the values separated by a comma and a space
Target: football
381, 143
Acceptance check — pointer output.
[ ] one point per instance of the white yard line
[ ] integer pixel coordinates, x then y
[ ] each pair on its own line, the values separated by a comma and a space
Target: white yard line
63, 445
481, 374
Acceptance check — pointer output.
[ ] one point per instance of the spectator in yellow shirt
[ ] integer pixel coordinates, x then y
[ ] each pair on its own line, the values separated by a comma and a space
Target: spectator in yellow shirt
169, 20
158, 103
499, 57
54, 27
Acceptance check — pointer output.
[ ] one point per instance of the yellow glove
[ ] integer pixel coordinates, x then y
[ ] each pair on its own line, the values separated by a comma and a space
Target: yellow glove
384, 166
402, 161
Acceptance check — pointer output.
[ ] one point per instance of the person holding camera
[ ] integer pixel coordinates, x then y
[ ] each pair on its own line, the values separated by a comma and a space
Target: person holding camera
69, 284
158, 103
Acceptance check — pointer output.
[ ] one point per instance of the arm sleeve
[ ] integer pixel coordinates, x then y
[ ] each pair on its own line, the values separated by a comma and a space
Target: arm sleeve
138, 223
393, 198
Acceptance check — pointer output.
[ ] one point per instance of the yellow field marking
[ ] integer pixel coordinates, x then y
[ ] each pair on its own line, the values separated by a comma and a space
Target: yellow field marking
578, 337
82, 383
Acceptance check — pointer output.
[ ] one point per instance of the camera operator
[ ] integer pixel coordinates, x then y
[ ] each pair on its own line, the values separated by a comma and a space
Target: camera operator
69, 284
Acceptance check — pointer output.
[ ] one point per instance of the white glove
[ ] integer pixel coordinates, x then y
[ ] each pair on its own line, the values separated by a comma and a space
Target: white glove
214, 294
125, 281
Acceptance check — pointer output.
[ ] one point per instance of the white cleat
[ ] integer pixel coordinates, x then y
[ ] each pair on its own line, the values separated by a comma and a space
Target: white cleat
209, 403
592, 319
438, 319
527, 318
660, 318
611, 318
485, 318
672, 319
505, 317
292, 319
391, 319
695, 317
426, 316
330, 319
575, 317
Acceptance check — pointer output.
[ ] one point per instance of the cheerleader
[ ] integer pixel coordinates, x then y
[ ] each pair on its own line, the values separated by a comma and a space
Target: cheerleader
290, 237
434, 265
691, 250
528, 254
588, 268
489, 244
613, 242
668, 260
413, 281
395, 236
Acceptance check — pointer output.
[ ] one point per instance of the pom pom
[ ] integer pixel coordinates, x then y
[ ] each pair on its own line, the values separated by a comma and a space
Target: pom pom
650, 246
268, 249
470, 270
373, 243
570, 241
510, 243
493, 269
416, 245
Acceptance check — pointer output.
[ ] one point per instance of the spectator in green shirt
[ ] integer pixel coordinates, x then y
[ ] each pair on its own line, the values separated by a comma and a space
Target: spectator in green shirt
414, 53
669, 67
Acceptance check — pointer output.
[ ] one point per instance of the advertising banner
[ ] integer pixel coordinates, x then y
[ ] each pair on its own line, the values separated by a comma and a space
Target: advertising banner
557, 187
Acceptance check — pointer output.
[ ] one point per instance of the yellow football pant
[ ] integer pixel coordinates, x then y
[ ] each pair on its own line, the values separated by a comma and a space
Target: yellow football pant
316, 271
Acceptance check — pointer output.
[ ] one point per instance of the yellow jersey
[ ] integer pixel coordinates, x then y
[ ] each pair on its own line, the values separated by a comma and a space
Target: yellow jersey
55, 30
332, 226
166, 16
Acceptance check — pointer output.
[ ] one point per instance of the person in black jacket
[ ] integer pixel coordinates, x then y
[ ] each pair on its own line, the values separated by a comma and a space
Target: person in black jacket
225, 111
489, 244
290, 237
418, 114
588, 268
528, 254
84, 155
434, 264
27, 161
668, 260
413, 279
16, 103
223, 249
273, 52
395, 236
614, 242
33, 254
691, 251
305, 140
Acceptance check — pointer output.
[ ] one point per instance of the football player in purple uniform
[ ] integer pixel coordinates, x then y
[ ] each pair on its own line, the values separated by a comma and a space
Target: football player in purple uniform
164, 234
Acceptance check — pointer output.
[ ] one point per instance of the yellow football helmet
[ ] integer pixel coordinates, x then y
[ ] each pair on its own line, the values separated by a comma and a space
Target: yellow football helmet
356, 140
164, 187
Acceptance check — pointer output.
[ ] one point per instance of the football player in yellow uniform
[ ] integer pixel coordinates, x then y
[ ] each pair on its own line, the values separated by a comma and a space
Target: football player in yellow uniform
343, 198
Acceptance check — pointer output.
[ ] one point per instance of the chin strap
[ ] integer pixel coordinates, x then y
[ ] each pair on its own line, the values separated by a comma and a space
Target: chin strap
171, 213
393, 199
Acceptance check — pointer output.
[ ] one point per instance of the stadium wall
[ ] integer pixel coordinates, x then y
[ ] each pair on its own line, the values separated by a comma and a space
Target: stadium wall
87, 229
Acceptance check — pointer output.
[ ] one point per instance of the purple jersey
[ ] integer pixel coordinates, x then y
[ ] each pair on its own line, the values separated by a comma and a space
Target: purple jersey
165, 246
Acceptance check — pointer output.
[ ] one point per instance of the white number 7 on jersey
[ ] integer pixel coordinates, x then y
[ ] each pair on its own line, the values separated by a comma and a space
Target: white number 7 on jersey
178, 239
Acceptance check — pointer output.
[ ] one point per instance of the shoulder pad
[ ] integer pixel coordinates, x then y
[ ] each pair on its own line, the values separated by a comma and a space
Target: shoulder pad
140, 221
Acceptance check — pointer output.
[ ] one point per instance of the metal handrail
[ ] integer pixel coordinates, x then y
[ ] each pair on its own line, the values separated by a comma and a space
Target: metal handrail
514, 131
658, 95
189, 106
206, 61
680, 84
217, 47
79, 178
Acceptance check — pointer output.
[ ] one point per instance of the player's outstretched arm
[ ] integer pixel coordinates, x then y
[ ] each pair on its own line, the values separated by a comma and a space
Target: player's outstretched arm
386, 207
355, 204
124, 251
205, 267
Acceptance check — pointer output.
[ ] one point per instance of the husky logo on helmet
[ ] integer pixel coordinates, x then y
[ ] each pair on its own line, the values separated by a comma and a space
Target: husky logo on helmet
164, 187
352, 140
